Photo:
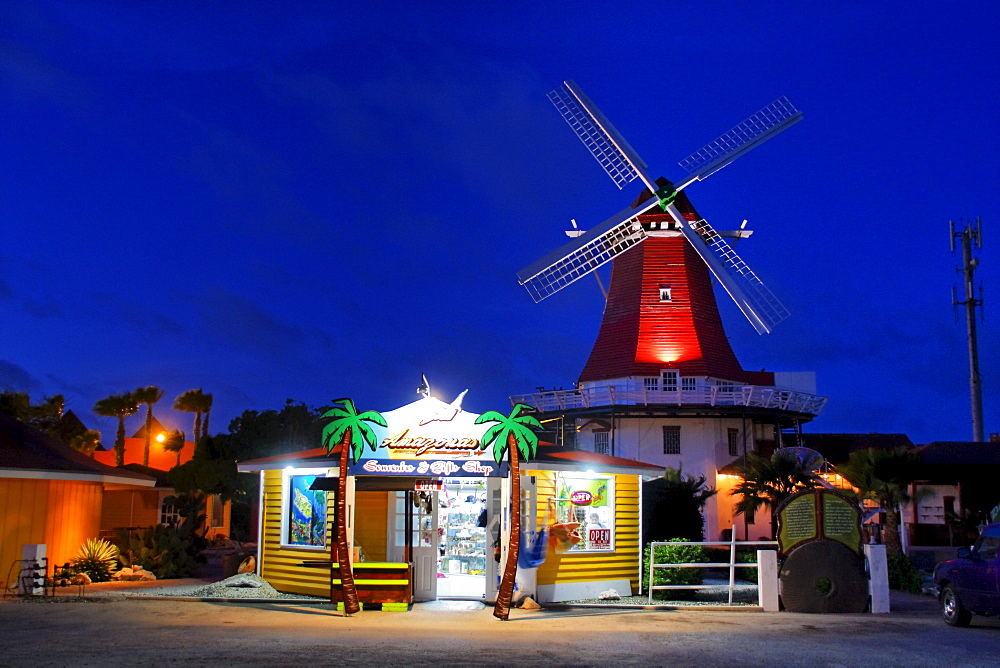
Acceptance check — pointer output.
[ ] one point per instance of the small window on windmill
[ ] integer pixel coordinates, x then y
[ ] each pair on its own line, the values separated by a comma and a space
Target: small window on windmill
651, 384
601, 442
689, 383
665, 293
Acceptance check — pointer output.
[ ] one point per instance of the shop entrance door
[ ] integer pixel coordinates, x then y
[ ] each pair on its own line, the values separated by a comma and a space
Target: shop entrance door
413, 537
425, 545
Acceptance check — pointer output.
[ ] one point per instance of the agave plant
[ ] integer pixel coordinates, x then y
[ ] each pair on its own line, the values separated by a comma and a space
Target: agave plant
97, 558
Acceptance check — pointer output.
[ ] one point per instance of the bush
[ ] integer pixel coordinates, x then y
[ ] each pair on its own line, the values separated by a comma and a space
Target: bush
165, 551
748, 574
97, 559
674, 554
903, 576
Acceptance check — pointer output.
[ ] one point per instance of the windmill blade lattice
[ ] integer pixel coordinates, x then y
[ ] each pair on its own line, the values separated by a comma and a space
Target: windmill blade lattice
758, 304
751, 133
591, 250
604, 142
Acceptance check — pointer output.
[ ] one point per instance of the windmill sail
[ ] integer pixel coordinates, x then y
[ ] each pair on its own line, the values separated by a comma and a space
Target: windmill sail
604, 142
584, 254
751, 133
753, 298
621, 232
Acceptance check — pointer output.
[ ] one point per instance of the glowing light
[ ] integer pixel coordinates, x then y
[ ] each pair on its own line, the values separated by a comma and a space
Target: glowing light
161, 437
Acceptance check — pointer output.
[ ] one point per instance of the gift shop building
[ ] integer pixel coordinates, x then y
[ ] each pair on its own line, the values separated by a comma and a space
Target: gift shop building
429, 515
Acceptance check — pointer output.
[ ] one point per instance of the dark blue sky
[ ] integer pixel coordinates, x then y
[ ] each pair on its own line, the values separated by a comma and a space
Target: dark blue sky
302, 200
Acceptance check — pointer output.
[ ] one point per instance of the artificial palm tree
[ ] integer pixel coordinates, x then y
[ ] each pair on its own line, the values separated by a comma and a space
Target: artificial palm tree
351, 430
771, 480
194, 401
148, 395
885, 477
174, 442
511, 435
118, 406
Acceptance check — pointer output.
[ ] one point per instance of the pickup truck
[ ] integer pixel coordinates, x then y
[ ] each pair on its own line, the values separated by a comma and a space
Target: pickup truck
971, 582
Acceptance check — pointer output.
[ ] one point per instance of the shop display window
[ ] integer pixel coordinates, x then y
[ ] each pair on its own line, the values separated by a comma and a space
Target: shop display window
587, 500
304, 519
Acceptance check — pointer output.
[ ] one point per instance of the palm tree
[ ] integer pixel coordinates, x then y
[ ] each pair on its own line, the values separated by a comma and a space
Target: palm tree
118, 406
512, 435
193, 401
206, 406
148, 395
86, 442
885, 477
769, 481
350, 429
174, 442
672, 506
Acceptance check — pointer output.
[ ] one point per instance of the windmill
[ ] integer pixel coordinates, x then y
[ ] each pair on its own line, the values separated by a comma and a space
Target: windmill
625, 230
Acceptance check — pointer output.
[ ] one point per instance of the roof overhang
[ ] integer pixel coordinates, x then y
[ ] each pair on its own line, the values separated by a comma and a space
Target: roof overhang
110, 479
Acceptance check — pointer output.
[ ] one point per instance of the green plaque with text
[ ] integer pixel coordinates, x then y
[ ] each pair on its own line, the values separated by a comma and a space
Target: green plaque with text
797, 521
841, 520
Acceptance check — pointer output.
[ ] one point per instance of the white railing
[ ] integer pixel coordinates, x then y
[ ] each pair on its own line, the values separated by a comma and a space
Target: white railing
740, 395
731, 564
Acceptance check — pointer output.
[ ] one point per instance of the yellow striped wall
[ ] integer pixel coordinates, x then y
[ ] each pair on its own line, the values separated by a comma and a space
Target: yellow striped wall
62, 514
622, 563
281, 565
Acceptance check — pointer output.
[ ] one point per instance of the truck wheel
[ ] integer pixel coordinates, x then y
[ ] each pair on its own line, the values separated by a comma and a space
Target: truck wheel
952, 610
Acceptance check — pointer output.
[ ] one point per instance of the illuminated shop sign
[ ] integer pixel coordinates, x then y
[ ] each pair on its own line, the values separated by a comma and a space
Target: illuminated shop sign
430, 438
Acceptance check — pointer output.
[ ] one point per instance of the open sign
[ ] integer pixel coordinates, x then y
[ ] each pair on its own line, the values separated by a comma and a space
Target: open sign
581, 498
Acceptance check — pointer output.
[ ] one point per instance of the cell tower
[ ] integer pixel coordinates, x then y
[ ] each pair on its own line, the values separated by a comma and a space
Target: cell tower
970, 234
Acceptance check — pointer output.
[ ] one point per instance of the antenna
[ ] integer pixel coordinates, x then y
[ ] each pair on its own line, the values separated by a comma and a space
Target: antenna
968, 236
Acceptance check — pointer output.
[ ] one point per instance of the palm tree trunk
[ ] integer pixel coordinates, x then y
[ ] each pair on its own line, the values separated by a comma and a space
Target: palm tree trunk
501, 610
197, 428
149, 426
347, 588
120, 443
891, 538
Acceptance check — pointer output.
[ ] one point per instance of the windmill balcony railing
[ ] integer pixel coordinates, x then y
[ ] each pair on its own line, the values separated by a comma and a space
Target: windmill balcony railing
755, 396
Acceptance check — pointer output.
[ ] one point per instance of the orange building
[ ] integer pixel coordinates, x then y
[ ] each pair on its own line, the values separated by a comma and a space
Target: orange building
50, 494
159, 458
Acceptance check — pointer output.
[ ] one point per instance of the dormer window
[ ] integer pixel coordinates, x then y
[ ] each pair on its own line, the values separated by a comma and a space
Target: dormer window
665, 293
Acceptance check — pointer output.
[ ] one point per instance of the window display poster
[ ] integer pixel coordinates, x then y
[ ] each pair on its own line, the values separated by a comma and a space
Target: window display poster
587, 501
306, 512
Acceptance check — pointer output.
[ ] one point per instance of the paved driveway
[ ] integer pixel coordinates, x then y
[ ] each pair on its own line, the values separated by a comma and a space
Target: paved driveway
106, 631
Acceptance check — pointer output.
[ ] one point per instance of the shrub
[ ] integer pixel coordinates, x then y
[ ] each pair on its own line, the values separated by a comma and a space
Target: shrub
903, 576
167, 552
97, 559
674, 554
748, 574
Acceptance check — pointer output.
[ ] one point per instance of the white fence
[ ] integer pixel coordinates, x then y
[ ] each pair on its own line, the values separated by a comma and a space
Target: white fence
767, 581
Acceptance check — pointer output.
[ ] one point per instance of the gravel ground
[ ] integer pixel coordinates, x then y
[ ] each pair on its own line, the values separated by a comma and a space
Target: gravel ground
245, 586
